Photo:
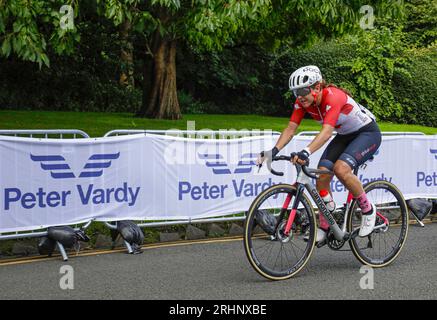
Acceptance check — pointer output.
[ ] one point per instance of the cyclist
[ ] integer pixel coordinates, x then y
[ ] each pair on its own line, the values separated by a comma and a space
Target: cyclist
358, 137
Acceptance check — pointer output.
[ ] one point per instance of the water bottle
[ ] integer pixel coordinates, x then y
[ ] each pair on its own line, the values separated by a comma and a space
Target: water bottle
329, 202
330, 205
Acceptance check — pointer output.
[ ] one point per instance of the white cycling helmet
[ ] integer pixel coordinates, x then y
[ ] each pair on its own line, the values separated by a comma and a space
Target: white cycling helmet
304, 77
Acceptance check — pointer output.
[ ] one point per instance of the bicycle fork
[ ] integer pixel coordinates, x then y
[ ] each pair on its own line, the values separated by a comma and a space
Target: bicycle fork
299, 191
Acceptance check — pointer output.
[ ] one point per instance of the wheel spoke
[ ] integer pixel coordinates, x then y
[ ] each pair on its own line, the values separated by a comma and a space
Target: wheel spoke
386, 244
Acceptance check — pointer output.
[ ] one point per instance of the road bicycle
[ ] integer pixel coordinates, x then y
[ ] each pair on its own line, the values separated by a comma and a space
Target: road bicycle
279, 239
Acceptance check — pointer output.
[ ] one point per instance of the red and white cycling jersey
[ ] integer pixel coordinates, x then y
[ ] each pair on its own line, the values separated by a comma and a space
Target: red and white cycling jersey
336, 109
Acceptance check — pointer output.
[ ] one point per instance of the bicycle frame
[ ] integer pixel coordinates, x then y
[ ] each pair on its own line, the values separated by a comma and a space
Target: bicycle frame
303, 181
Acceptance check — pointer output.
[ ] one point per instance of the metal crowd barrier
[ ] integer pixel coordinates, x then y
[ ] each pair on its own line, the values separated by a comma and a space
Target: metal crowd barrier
60, 134
57, 134
209, 134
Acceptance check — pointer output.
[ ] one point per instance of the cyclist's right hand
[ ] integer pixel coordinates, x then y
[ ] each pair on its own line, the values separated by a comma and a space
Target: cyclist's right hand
301, 157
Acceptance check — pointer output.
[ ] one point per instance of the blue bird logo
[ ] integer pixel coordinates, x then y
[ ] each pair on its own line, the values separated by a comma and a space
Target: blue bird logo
220, 166
59, 168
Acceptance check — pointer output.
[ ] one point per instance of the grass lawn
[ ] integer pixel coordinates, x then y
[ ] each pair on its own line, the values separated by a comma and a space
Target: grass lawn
97, 124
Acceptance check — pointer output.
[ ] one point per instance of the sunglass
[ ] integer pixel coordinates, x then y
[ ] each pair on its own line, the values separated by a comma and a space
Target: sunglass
302, 92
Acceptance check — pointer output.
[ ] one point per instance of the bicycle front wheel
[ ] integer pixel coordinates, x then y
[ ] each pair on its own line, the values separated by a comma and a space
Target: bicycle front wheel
271, 253
384, 244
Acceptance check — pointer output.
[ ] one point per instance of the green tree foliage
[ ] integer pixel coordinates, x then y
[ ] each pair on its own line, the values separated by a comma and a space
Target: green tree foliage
421, 22
232, 56
417, 93
83, 81
379, 56
303, 22
27, 27
238, 80
246, 80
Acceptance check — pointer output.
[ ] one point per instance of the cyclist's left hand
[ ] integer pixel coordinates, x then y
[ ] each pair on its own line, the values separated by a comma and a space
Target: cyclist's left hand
301, 158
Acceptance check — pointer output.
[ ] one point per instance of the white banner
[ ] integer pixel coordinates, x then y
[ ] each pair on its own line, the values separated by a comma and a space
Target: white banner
47, 182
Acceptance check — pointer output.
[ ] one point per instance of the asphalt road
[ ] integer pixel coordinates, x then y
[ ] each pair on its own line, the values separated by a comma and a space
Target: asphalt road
221, 271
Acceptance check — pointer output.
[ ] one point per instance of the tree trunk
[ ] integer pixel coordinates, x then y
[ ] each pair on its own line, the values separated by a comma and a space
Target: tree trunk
126, 56
161, 100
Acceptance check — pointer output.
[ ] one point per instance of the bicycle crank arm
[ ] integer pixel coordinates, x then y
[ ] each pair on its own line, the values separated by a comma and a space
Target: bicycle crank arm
354, 234
383, 227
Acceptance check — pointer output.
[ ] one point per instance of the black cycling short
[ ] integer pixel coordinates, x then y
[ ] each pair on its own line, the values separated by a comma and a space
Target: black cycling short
354, 148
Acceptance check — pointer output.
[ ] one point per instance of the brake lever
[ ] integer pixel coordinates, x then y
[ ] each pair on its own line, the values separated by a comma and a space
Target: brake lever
271, 171
277, 173
259, 167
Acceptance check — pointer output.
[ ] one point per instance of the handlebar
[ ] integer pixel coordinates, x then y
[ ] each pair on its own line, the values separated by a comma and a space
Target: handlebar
312, 173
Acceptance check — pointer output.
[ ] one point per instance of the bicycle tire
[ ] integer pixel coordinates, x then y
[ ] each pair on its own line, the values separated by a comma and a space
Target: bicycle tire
392, 207
253, 238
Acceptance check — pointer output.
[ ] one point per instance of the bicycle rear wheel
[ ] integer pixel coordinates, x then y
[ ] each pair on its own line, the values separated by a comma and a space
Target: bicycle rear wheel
384, 244
272, 254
